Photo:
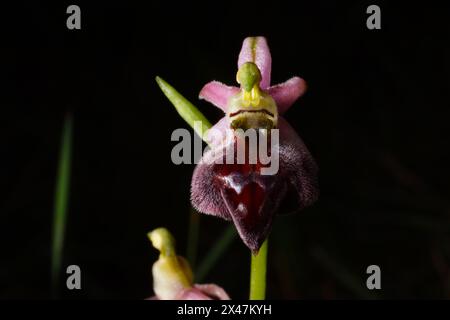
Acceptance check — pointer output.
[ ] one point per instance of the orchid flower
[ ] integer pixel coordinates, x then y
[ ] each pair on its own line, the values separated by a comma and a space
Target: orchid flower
239, 192
172, 275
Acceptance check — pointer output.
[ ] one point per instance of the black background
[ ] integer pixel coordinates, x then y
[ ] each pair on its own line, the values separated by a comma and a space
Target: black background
375, 117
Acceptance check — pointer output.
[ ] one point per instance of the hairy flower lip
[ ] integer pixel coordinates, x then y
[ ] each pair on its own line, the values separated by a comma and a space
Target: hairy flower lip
252, 111
297, 168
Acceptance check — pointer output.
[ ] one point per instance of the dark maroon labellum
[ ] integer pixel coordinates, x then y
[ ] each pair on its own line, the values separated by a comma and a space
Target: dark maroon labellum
241, 193
250, 197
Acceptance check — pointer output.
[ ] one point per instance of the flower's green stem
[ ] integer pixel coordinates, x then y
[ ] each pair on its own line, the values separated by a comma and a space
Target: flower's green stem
258, 273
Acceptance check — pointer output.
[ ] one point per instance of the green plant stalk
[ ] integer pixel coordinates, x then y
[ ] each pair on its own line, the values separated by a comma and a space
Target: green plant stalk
185, 109
258, 273
215, 253
61, 200
343, 275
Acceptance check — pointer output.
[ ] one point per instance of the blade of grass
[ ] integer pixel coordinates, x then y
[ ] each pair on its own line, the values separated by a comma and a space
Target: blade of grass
342, 274
61, 201
215, 253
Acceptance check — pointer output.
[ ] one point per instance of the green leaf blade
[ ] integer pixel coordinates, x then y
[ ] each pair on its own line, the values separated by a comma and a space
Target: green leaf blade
61, 200
185, 108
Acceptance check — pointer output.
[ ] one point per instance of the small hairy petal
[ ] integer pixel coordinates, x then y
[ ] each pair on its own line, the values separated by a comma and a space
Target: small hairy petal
218, 94
256, 50
286, 93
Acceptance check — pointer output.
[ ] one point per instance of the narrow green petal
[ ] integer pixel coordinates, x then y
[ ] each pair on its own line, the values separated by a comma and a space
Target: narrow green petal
185, 109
